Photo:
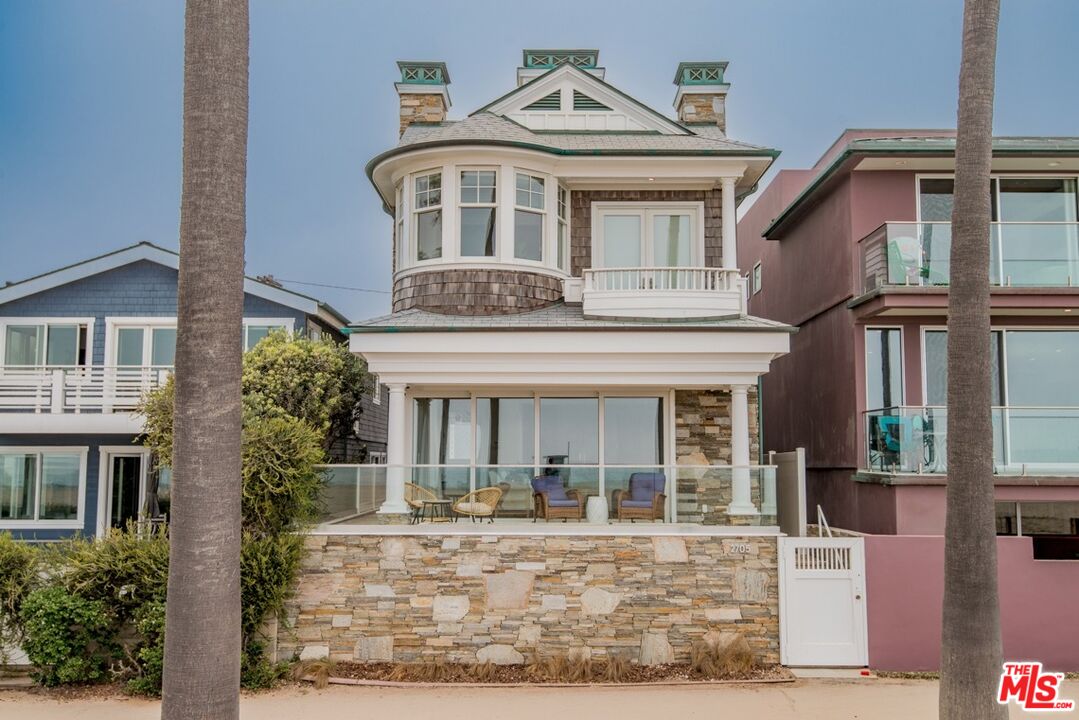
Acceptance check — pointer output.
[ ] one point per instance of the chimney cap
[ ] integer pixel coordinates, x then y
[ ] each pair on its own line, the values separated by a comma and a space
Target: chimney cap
420, 72
709, 72
547, 59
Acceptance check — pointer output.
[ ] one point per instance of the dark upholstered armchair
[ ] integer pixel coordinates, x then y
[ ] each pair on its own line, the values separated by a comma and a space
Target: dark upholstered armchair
552, 501
645, 499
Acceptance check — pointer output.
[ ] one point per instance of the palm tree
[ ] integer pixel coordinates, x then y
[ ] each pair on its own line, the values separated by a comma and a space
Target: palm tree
202, 625
970, 643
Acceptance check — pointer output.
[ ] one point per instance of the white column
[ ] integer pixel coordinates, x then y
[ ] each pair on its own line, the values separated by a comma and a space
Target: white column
730, 222
741, 495
395, 452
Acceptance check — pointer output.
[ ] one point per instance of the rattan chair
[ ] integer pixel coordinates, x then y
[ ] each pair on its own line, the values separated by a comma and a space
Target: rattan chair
480, 504
414, 497
552, 501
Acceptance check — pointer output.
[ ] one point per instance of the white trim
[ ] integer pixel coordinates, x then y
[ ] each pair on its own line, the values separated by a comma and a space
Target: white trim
104, 480
756, 277
647, 211
151, 253
82, 451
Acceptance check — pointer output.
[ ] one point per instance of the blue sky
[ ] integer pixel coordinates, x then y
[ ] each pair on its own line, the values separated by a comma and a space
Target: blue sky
90, 103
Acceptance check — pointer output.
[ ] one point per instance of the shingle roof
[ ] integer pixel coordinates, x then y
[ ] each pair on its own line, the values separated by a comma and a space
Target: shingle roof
487, 127
559, 316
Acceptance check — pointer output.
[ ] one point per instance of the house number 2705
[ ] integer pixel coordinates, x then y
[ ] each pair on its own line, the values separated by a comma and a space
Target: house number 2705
739, 548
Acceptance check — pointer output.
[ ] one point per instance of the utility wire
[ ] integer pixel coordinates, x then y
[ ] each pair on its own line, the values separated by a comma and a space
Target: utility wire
336, 287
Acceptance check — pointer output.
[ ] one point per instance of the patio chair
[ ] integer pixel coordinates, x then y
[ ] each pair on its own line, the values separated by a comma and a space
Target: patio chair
480, 504
552, 501
645, 499
414, 497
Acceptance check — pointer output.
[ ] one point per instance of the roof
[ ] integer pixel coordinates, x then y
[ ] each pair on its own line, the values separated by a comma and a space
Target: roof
559, 316
1018, 146
169, 258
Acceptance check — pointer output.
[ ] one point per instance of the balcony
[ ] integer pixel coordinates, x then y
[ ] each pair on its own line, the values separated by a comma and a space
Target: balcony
76, 390
659, 292
1026, 440
1023, 254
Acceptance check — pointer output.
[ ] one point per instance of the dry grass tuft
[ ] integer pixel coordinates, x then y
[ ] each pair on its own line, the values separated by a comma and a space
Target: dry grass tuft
318, 670
483, 673
615, 670
580, 670
723, 660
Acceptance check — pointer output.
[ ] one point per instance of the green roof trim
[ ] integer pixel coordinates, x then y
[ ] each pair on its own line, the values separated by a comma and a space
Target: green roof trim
546, 59
700, 73
925, 147
416, 72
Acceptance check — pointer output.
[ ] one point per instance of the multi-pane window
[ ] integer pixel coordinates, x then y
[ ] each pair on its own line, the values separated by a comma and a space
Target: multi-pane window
633, 236
40, 484
57, 344
143, 346
399, 227
254, 333
528, 217
563, 229
884, 368
479, 197
427, 216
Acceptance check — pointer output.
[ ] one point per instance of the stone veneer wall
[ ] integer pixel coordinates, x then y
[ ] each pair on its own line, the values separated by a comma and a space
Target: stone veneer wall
475, 292
581, 220
504, 599
421, 107
702, 421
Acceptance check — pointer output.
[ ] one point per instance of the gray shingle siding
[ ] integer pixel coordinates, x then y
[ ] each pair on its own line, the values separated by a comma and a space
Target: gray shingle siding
93, 458
141, 289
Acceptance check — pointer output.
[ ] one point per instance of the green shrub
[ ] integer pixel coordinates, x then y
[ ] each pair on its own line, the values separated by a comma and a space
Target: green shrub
69, 639
150, 654
257, 672
268, 567
19, 576
281, 486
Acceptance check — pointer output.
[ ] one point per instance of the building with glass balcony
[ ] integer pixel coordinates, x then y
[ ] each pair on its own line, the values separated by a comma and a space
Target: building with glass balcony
855, 251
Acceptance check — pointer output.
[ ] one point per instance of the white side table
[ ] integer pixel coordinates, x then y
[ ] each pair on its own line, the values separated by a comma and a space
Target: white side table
596, 510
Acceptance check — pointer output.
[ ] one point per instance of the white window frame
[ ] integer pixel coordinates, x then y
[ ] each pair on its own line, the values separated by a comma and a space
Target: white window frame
564, 243
87, 321
460, 170
647, 211
416, 211
286, 324
400, 238
104, 480
541, 211
38, 524
756, 283
146, 324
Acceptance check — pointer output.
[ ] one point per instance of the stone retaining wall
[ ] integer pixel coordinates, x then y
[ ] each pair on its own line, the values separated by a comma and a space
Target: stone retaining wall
505, 599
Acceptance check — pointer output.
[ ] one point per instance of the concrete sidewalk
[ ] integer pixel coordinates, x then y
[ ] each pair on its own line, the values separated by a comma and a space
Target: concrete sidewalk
870, 699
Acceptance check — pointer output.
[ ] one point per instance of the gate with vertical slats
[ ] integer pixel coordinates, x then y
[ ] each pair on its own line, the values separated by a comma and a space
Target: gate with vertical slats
822, 608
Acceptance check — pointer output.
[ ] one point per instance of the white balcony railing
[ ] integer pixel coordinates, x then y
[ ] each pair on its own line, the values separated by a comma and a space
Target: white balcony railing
92, 389
663, 292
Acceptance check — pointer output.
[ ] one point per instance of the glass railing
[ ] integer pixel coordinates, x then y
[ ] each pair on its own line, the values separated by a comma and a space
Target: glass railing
1021, 254
1026, 440
698, 494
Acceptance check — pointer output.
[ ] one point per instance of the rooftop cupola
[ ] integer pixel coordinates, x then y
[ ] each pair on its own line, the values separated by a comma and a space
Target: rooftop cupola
702, 93
423, 92
537, 62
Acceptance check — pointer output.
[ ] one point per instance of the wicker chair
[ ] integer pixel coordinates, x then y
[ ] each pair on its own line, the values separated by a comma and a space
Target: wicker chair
552, 501
645, 499
480, 504
414, 497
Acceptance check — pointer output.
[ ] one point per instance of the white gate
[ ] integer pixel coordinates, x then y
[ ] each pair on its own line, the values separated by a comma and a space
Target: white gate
822, 616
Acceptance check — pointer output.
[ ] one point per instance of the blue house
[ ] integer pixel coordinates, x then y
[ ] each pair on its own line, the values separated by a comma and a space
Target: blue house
78, 348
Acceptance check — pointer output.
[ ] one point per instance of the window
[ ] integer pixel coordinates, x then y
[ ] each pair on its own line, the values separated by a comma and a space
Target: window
563, 229
569, 431
427, 216
376, 391
38, 344
505, 431
41, 485
479, 198
884, 368
254, 332
399, 227
1052, 526
528, 218
630, 236
145, 345
756, 284
936, 367
442, 431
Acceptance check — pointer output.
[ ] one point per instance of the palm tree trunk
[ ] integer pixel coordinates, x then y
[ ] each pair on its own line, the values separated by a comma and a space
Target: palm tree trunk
970, 643
202, 628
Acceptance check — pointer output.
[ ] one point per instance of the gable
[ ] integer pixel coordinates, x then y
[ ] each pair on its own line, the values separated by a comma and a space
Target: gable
570, 99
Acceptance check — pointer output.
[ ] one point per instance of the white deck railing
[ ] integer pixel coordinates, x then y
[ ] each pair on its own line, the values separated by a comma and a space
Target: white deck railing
91, 389
663, 292
699, 279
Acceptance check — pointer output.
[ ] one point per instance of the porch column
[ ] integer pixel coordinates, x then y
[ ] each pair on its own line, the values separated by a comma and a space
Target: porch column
395, 452
730, 222
741, 495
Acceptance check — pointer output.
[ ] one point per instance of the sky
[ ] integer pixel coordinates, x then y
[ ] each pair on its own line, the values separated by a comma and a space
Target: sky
91, 101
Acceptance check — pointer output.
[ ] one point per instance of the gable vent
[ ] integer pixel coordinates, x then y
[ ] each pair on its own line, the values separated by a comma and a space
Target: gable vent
583, 102
550, 102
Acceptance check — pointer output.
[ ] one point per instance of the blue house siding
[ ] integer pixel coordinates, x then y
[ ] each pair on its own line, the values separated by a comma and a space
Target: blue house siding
141, 289
93, 459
